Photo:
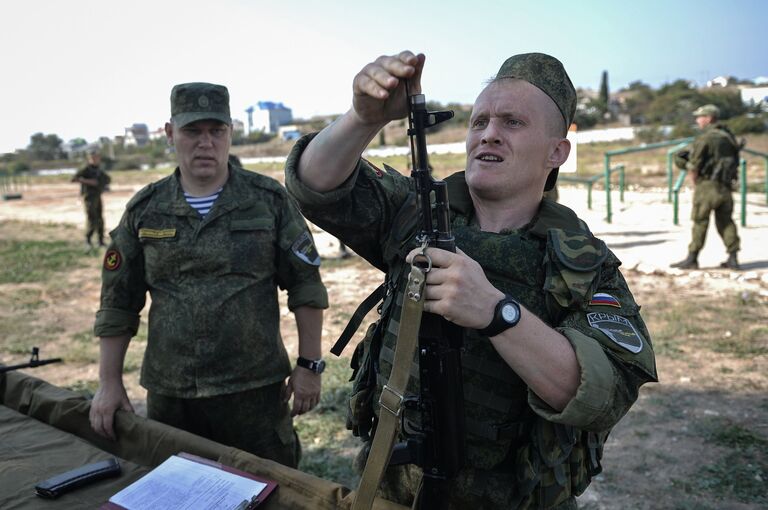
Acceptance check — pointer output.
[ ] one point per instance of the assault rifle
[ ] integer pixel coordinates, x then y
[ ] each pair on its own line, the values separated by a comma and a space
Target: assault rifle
437, 447
34, 361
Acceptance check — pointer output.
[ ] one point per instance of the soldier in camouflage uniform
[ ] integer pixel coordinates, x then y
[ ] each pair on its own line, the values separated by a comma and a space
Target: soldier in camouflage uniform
93, 182
713, 162
215, 363
542, 393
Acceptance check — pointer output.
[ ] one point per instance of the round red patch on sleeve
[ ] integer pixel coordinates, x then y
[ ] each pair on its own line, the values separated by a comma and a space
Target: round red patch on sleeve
112, 260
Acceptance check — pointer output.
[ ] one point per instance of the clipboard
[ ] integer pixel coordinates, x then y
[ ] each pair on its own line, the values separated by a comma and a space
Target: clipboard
269, 486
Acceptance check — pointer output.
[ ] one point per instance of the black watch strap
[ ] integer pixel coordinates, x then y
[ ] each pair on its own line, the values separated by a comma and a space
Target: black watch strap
506, 315
315, 365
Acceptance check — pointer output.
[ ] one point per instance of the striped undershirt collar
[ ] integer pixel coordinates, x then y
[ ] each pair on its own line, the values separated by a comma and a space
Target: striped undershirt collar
202, 204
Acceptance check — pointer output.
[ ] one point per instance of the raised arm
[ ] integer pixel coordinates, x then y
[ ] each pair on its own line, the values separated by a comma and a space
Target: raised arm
379, 96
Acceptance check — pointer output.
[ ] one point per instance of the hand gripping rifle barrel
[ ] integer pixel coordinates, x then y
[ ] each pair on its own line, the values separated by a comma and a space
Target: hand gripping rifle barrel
437, 447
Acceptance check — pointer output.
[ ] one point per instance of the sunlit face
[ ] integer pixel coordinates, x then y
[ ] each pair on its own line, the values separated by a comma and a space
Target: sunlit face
94, 159
202, 148
703, 121
514, 140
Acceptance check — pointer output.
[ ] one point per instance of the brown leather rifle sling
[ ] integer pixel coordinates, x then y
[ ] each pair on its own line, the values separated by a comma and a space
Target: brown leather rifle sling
391, 399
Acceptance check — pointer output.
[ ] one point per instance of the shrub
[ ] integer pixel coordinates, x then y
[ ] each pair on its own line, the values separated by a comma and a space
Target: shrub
746, 124
650, 134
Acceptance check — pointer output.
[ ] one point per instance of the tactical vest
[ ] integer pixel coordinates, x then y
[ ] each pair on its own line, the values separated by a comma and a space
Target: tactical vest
550, 268
723, 162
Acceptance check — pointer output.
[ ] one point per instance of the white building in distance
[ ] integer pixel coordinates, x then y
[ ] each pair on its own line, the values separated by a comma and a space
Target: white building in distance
268, 116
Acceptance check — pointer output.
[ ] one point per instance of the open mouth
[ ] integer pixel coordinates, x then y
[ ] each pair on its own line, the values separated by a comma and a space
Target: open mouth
491, 158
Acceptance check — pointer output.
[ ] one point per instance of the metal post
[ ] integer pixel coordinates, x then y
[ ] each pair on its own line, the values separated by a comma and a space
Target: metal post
743, 186
621, 183
676, 195
608, 187
765, 160
589, 195
669, 175
675, 206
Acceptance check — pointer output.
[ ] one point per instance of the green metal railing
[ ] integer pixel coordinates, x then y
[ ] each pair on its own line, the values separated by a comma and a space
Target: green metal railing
589, 181
12, 185
608, 173
765, 163
628, 150
674, 188
670, 167
676, 193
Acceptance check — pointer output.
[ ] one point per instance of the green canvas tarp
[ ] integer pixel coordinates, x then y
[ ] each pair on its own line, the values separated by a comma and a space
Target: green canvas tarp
44, 431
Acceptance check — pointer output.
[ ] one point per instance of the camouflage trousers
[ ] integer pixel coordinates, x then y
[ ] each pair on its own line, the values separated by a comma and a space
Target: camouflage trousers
256, 421
94, 218
714, 196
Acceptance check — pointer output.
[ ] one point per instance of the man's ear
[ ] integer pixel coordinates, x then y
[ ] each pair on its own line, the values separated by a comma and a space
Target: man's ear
559, 153
169, 133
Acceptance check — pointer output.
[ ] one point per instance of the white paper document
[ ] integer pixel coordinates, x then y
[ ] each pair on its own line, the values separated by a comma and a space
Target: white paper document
180, 483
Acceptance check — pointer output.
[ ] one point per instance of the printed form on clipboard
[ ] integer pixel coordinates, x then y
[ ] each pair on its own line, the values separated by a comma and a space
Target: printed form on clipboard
186, 481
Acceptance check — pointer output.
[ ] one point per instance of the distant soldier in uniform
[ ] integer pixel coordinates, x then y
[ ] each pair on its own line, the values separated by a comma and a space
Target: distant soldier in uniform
713, 161
543, 386
211, 243
93, 182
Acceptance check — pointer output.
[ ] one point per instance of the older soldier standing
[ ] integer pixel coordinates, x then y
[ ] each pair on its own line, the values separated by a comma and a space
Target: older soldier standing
713, 162
211, 243
93, 181
542, 386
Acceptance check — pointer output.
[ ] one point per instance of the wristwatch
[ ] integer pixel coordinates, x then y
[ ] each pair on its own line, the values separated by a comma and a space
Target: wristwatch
315, 365
506, 315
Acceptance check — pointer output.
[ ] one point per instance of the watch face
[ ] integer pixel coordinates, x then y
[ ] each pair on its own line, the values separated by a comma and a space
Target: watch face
509, 313
320, 367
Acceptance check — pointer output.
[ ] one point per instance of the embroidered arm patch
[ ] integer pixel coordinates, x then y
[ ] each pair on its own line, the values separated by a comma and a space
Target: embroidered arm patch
618, 329
305, 250
603, 299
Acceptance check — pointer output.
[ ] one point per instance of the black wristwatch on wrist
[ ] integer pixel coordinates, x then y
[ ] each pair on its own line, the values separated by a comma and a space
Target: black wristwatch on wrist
315, 365
506, 315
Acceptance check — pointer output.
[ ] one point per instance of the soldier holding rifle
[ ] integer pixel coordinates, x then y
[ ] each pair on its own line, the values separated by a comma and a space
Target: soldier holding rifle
554, 347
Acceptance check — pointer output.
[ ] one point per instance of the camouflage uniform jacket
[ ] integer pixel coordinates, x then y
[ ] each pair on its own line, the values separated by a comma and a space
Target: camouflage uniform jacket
93, 172
560, 272
214, 317
714, 155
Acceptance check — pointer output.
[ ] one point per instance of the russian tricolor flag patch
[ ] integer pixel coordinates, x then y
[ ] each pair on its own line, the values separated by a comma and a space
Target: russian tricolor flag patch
603, 299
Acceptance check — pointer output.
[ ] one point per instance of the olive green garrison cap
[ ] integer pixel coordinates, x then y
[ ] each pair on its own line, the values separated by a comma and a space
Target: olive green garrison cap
191, 102
546, 73
708, 110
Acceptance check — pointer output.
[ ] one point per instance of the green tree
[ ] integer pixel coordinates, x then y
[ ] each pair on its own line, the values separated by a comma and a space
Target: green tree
728, 100
604, 96
638, 101
674, 103
45, 147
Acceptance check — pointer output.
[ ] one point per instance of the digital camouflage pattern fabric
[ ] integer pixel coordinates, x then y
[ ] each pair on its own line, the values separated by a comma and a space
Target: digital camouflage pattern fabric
191, 102
213, 284
521, 454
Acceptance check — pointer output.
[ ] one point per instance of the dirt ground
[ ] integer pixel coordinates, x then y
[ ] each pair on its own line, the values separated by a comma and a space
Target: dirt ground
655, 451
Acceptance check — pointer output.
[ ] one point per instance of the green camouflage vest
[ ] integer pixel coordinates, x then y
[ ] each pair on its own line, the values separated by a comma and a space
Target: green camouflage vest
721, 163
550, 268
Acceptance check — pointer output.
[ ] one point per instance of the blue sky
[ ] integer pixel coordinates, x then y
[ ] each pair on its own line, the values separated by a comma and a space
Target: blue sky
85, 68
